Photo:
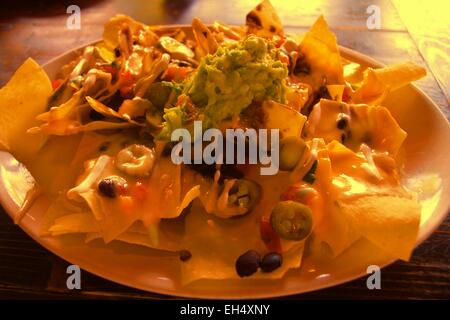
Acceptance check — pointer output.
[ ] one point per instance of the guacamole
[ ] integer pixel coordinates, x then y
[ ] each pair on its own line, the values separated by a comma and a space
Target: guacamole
238, 73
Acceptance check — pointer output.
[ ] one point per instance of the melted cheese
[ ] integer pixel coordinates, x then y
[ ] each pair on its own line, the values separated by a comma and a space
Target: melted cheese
371, 125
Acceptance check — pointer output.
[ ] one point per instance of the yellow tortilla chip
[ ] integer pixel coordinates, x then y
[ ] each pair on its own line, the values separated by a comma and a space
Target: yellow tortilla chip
372, 125
391, 223
68, 217
359, 206
108, 112
378, 83
216, 243
263, 21
51, 171
74, 223
321, 51
67, 118
59, 208
114, 25
61, 120
280, 116
170, 233
62, 152
164, 197
21, 100
333, 235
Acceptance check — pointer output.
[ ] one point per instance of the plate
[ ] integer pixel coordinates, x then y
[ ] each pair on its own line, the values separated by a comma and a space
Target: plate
427, 152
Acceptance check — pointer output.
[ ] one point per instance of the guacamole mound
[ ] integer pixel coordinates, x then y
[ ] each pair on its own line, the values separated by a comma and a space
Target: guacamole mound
238, 73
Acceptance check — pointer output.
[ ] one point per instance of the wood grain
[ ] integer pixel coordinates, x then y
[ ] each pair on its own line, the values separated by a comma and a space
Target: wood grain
37, 29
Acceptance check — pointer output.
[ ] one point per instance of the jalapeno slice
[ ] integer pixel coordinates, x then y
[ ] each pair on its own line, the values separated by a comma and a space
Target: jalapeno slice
244, 194
291, 220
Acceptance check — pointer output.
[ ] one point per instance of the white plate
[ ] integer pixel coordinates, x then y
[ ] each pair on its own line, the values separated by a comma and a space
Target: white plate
427, 150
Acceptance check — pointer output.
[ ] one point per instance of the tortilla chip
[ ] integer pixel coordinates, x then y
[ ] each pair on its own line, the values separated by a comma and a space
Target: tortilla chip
61, 120
336, 91
62, 152
332, 235
358, 207
165, 197
107, 111
67, 119
353, 72
206, 42
114, 25
372, 125
335, 234
170, 233
21, 100
263, 21
51, 171
216, 243
280, 116
68, 217
378, 83
59, 208
391, 223
74, 223
321, 51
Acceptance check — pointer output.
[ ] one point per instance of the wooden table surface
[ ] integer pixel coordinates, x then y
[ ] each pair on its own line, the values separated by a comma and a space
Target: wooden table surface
409, 31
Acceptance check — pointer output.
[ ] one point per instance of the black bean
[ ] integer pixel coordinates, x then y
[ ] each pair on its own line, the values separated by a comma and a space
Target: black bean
271, 261
117, 52
104, 146
107, 187
185, 255
248, 263
342, 123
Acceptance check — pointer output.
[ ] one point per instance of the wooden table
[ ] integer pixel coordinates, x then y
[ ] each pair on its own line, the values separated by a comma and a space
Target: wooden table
38, 29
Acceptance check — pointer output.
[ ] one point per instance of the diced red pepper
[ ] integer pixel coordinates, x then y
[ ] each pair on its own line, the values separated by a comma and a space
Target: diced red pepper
269, 236
346, 95
290, 194
122, 189
56, 83
139, 192
126, 92
126, 78
182, 98
110, 69
176, 73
